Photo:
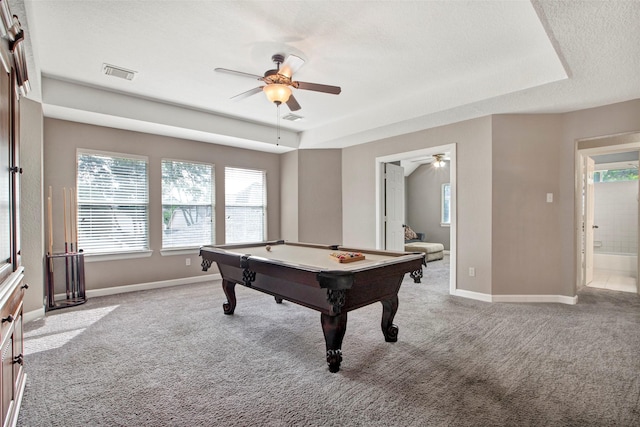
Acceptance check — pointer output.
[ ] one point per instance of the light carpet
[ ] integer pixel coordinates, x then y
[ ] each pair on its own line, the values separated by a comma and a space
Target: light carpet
170, 357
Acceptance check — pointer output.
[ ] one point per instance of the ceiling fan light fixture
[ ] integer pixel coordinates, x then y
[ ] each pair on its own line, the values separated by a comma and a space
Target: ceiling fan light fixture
438, 161
277, 93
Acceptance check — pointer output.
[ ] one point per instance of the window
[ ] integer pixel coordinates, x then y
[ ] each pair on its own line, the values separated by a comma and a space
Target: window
630, 174
245, 205
113, 202
445, 203
187, 204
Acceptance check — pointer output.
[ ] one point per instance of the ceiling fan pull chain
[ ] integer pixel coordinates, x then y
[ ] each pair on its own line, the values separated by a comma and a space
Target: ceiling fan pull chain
278, 123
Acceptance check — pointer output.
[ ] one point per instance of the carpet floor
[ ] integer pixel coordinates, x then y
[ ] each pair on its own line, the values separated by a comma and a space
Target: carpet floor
170, 357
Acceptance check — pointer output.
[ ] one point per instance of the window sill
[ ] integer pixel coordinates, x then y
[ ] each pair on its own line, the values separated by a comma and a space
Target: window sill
442, 224
116, 256
180, 251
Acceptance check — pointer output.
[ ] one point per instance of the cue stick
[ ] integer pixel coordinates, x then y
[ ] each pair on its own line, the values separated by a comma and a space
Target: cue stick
64, 204
75, 240
50, 285
66, 243
75, 218
72, 238
50, 220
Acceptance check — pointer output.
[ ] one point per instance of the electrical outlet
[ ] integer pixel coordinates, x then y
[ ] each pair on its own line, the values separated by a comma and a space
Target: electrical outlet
188, 261
472, 271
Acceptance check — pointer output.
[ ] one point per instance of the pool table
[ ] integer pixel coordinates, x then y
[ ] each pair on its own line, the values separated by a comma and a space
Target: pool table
312, 276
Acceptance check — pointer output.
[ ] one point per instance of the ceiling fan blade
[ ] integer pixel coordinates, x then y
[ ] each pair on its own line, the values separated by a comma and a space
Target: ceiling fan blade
291, 65
239, 73
335, 90
293, 104
247, 94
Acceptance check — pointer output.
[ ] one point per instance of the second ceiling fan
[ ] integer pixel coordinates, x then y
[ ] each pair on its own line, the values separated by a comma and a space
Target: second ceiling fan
279, 82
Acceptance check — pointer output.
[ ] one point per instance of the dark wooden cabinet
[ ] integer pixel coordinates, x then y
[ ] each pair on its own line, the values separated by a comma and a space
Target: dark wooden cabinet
12, 375
13, 84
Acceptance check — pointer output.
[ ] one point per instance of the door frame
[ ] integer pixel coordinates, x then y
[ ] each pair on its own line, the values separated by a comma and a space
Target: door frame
588, 219
586, 148
453, 230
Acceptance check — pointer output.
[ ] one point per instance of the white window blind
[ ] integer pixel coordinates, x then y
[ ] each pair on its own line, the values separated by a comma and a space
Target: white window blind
113, 202
245, 205
188, 214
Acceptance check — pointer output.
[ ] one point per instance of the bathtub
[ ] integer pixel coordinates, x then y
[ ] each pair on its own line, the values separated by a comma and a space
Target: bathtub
620, 264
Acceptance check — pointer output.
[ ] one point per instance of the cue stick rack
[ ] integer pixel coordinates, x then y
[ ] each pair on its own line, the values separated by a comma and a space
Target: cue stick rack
66, 267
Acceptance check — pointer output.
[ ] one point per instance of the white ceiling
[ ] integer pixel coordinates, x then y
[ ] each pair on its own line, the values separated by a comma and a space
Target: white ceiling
403, 66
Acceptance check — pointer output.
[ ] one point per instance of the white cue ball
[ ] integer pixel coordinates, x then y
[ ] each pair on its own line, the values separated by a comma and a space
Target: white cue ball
268, 248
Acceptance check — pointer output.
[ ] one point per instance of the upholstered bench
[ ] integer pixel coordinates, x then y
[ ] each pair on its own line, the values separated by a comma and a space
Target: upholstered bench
433, 251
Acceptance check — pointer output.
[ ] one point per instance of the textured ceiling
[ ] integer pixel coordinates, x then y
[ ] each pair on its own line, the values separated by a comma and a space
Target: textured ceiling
402, 66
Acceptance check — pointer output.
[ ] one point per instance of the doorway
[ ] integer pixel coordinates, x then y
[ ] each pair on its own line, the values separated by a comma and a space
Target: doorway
608, 205
415, 156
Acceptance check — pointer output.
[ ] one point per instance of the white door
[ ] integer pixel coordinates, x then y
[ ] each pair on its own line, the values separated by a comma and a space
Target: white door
588, 221
394, 207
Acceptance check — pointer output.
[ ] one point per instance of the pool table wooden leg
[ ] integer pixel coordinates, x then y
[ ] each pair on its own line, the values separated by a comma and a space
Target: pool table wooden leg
416, 275
334, 328
389, 309
229, 289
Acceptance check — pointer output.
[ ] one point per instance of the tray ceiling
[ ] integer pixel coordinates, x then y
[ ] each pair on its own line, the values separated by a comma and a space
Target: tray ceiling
402, 66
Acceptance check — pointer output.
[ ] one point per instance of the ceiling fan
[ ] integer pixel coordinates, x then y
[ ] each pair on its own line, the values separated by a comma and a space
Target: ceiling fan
279, 82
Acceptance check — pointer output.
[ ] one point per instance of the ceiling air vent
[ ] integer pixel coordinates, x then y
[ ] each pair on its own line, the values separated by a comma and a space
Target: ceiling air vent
292, 117
123, 73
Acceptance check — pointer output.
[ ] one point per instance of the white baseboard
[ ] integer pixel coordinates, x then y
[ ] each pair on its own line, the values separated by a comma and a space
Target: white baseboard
472, 295
30, 316
151, 285
562, 299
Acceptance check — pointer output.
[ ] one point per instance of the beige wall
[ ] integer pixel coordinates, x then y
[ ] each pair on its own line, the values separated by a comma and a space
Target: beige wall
526, 241
473, 148
31, 208
62, 138
289, 196
517, 242
490, 206
423, 203
311, 195
320, 196
607, 120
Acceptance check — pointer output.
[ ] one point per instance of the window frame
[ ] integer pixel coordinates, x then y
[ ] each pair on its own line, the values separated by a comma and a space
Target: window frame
445, 204
212, 205
264, 205
111, 253
601, 176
